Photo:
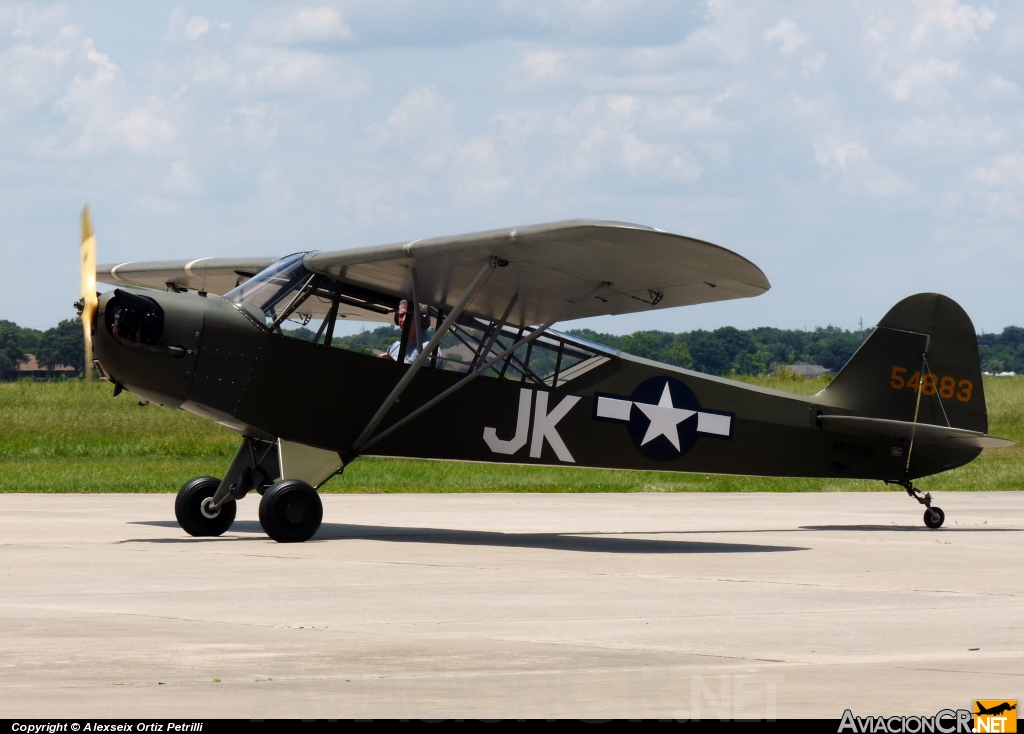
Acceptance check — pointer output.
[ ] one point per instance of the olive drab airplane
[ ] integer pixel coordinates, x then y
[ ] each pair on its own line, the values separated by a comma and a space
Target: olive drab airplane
494, 382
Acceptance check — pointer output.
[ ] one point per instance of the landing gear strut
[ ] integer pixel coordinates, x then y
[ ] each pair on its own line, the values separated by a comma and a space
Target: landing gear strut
933, 516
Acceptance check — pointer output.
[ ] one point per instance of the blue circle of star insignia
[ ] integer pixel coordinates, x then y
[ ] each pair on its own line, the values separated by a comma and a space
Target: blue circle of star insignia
663, 419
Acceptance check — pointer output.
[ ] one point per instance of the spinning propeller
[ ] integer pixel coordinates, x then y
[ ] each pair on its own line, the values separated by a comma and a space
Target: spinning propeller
89, 300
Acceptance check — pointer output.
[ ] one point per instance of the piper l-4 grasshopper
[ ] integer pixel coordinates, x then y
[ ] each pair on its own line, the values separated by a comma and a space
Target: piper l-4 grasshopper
208, 336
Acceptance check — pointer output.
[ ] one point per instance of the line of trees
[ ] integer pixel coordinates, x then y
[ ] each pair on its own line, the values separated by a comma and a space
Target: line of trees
734, 351
757, 351
1002, 352
365, 341
743, 352
720, 352
60, 345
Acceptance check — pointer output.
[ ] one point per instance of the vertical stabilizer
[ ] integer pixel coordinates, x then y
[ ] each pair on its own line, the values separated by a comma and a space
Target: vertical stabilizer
920, 364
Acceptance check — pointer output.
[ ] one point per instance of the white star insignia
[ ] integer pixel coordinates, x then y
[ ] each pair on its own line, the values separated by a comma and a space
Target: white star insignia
665, 419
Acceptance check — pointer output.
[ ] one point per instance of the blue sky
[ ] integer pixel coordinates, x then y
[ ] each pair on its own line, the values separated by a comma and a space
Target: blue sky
857, 152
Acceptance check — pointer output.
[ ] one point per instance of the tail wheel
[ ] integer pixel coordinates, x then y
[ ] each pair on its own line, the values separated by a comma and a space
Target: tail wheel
291, 511
192, 508
934, 517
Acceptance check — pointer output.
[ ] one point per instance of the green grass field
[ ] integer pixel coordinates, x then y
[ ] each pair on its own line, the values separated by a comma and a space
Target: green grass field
59, 437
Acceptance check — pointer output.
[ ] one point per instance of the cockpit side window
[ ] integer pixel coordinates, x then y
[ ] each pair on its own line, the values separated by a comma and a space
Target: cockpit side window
286, 292
551, 360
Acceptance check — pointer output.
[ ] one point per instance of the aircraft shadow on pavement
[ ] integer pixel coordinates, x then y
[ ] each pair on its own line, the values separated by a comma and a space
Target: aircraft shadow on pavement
908, 528
586, 543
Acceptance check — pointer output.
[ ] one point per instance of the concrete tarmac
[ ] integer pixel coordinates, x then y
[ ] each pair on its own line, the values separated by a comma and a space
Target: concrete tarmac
554, 605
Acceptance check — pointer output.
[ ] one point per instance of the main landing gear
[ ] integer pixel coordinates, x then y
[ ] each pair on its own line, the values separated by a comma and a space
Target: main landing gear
290, 510
195, 511
933, 516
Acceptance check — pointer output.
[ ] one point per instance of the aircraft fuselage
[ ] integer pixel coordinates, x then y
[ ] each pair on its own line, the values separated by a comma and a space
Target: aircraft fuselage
626, 413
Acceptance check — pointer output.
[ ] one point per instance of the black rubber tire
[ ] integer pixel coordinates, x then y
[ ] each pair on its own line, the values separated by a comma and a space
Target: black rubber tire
934, 517
188, 508
291, 511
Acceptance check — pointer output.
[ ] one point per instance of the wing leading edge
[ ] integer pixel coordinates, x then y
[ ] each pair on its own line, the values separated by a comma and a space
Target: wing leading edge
550, 265
213, 275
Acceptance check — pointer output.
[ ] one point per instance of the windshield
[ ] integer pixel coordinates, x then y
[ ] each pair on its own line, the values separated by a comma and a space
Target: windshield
269, 291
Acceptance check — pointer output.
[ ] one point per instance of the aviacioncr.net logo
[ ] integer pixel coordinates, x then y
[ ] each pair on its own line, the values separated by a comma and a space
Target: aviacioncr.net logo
946, 721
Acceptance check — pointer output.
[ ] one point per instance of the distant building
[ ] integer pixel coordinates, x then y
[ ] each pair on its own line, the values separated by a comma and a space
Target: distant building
808, 370
31, 368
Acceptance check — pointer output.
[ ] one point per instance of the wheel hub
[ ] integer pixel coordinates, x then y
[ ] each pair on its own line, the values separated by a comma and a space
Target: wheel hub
295, 512
208, 510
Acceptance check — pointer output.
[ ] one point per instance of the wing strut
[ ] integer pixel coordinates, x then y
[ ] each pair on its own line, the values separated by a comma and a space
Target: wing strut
415, 312
364, 444
425, 352
485, 347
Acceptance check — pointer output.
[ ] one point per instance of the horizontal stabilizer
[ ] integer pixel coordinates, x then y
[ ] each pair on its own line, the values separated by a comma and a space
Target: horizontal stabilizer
924, 432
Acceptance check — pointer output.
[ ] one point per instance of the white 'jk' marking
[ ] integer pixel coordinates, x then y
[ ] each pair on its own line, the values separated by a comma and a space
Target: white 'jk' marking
544, 427
509, 447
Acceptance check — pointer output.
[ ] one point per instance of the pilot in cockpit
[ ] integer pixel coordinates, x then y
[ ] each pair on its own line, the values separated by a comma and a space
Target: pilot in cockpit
411, 351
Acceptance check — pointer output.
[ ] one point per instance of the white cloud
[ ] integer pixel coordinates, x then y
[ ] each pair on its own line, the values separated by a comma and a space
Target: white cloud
304, 25
146, 132
728, 33
950, 19
420, 114
258, 125
606, 134
923, 76
359, 122
263, 70
537, 69
951, 132
542, 63
1003, 181
1005, 170
30, 69
998, 89
182, 181
191, 29
790, 40
856, 169
788, 36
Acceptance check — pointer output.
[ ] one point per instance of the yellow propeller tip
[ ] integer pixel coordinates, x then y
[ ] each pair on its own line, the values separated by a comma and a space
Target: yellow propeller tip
86, 224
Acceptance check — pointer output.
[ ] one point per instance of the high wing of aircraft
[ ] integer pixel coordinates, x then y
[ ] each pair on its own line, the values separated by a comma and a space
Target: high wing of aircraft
547, 265
483, 376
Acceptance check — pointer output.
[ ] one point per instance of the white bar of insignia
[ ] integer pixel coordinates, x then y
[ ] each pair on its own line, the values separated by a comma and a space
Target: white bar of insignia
714, 424
613, 408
